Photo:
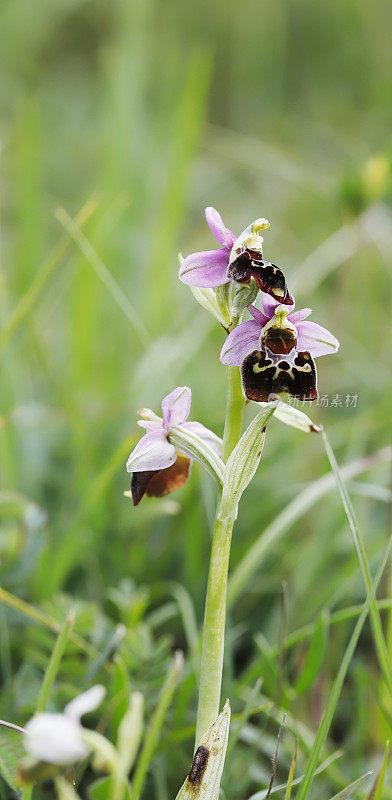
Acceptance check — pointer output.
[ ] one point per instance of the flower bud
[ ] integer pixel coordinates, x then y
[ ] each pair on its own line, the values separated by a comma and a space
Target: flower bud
146, 413
245, 295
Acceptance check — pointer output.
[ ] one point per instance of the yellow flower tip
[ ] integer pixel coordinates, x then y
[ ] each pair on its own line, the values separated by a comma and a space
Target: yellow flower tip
376, 175
260, 225
145, 413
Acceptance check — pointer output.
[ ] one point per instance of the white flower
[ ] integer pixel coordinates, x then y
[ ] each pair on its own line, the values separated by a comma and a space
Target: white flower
57, 738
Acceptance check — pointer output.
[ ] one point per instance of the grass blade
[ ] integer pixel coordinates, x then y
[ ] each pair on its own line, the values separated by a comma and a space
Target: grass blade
26, 302
291, 773
336, 689
155, 726
104, 274
295, 781
296, 509
376, 790
352, 787
378, 634
54, 663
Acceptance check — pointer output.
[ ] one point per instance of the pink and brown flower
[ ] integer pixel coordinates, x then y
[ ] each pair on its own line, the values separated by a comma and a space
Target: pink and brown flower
276, 352
239, 259
157, 467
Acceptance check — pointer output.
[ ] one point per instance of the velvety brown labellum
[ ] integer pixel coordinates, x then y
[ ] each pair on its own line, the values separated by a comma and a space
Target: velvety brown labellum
157, 483
265, 375
280, 340
199, 764
269, 277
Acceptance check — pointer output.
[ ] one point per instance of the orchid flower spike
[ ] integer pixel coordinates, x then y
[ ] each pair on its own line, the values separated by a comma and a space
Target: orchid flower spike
157, 467
276, 350
240, 259
58, 738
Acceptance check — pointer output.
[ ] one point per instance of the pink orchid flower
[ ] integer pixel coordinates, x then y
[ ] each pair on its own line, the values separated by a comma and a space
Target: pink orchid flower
239, 259
158, 467
276, 350
306, 335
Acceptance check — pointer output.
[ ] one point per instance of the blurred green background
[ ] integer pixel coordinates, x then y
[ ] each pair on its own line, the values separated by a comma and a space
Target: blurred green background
135, 116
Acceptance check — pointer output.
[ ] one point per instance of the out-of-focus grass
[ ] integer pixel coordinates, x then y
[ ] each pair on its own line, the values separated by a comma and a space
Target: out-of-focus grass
154, 111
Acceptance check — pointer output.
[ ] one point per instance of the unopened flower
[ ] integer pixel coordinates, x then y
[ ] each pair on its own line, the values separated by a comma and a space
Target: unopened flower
239, 259
58, 738
276, 350
158, 467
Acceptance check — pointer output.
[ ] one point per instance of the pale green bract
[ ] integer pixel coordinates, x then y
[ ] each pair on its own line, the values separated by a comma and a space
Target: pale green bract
208, 300
295, 418
204, 779
243, 462
191, 445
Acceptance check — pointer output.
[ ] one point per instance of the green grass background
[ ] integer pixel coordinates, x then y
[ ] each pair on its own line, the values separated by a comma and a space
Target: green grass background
148, 111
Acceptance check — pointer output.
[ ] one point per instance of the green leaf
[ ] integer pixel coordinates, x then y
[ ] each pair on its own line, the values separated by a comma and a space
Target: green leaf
130, 731
11, 755
243, 462
315, 655
120, 690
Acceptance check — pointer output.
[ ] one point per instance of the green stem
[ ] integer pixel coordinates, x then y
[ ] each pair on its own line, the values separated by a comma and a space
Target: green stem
215, 606
214, 628
234, 411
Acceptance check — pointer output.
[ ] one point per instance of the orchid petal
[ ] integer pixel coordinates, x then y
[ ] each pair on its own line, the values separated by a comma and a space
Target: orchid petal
55, 739
160, 482
241, 341
150, 424
208, 436
299, 315
152, 452
206, 269
258, 316
176, 406
269, 305
318, 340
216, 225
86, 702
